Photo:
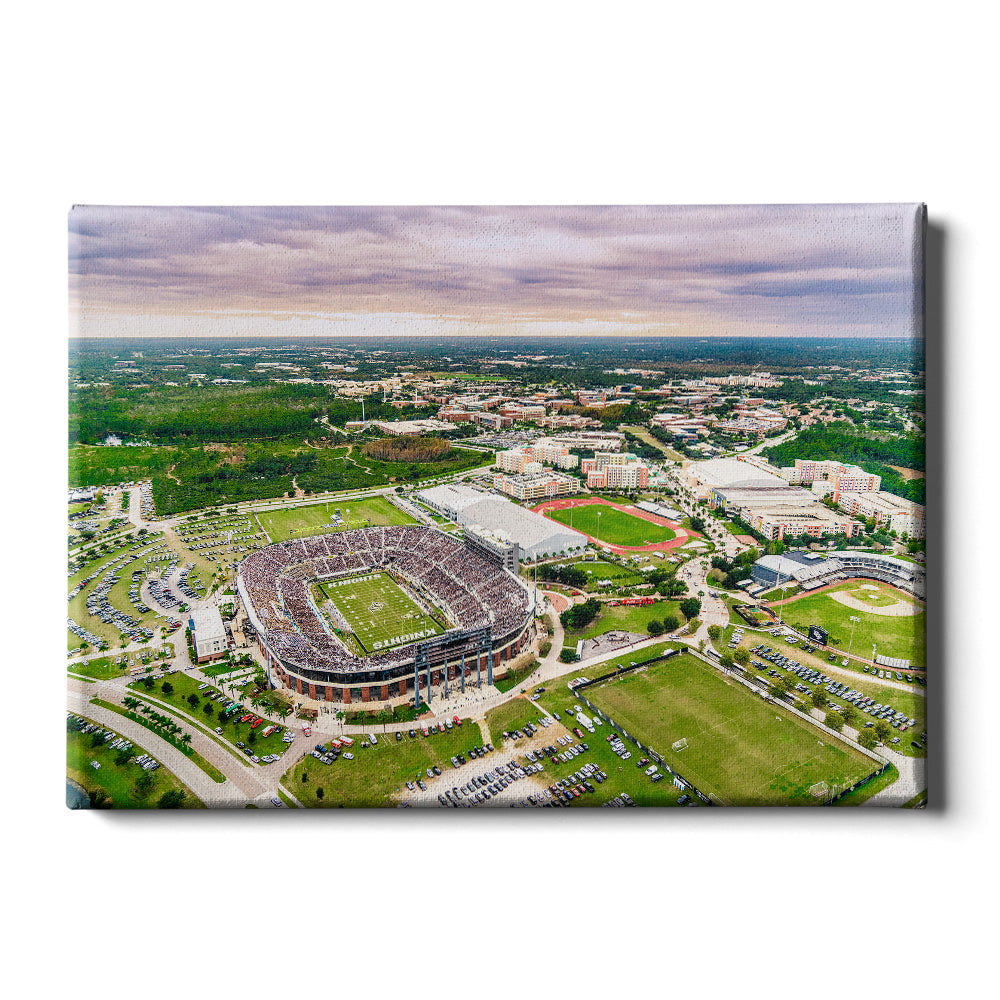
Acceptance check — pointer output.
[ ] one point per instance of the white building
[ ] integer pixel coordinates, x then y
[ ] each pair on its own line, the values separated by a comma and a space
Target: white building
208, 632
503, 521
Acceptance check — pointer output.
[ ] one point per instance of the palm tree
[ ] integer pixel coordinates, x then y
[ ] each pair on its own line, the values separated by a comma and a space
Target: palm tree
186, 738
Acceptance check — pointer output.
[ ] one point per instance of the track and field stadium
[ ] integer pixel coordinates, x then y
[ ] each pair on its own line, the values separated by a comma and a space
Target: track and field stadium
376, 614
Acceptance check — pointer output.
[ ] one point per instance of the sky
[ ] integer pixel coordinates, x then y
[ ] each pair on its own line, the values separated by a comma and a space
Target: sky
796, 270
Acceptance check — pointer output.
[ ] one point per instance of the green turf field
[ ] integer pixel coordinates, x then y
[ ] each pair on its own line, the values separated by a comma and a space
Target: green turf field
378, 611
897, 637
742, 749
296, 522
615, 527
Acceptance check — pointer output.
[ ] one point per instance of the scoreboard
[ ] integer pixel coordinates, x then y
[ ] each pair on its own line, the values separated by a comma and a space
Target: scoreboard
818, 635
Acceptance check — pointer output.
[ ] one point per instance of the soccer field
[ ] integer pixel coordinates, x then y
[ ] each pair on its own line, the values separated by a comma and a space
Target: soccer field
378, 611
613, 526
741, 749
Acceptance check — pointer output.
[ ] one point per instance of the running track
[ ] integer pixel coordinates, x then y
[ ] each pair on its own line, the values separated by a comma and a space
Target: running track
682, 535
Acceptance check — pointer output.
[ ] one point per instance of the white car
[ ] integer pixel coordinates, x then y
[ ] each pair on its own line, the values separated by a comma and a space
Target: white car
348, 756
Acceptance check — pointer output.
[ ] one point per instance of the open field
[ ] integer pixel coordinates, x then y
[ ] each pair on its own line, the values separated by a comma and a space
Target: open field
895, 636
377, 774
509, 716
600, 570
295, 522
612, 526
379, 612
626, 618
120, 780
740, 748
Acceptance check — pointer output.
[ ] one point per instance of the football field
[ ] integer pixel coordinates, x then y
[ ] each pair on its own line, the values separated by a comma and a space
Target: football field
378, 611
740, 749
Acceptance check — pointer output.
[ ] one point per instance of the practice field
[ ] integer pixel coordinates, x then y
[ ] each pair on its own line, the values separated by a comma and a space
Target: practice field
896, 636
612, 526
741, 749
297, 522
378, 611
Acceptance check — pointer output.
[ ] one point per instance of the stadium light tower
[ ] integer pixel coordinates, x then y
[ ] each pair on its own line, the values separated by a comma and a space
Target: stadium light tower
854, 620
598, 529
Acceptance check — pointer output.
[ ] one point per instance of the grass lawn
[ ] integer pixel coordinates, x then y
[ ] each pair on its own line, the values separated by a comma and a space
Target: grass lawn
377, 774
509, 716
104, 667
600, 570
863, 794
740, 748
897, 637
119, 781
379, 612
778, 594
295, 522
615, 527
514, 677
627, 618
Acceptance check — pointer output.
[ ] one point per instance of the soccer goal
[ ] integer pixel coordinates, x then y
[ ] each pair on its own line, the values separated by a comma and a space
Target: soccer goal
819, 790
681, 744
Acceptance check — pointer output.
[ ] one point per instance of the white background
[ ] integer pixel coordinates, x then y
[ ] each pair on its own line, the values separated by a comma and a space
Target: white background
514, 103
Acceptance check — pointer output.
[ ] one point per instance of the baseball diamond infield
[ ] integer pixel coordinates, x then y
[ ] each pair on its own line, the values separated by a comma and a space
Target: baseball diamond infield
668, 534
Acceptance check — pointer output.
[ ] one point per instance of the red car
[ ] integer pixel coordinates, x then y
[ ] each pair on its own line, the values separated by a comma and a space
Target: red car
456, 720
256, 723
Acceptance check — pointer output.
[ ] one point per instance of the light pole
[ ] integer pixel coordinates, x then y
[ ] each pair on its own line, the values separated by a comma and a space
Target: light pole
851, 643
598, 529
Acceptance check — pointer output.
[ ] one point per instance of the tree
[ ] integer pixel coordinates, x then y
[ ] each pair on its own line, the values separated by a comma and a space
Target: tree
849, 713
171, 799
819, 698
567, 654
670, 623
742, 656
780, 687
145, 784
882, 730
867, 739
835, 721
726, 659
715, 632
319, 792
168, 688
690, 608
654, 627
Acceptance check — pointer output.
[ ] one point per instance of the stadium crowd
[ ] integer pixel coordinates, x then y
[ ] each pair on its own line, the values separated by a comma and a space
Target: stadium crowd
474, 590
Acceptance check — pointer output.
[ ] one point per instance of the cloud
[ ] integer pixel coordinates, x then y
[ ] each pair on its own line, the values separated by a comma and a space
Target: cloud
699, 267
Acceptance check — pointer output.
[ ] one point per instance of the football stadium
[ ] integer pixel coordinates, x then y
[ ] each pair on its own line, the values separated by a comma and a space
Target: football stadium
376, 614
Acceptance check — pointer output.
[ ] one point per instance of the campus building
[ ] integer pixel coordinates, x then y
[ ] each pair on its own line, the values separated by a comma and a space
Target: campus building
888, 511
535, 483
208, 633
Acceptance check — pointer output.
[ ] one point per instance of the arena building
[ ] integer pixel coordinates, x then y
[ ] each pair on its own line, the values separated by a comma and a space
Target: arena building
535, 535
480, 613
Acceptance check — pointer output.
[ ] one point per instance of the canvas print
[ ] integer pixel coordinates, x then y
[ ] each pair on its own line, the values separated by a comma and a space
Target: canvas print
496, 507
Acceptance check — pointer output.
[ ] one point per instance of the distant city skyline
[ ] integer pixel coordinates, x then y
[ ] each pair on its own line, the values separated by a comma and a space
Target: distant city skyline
692, 271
